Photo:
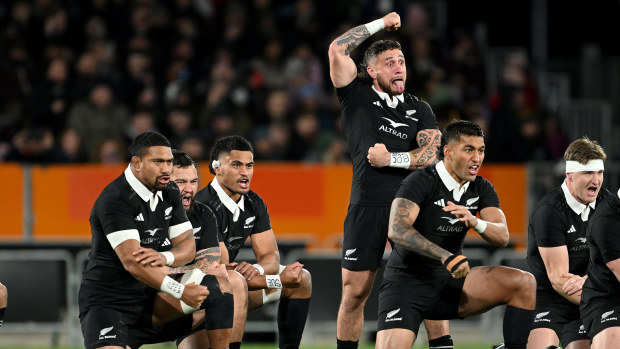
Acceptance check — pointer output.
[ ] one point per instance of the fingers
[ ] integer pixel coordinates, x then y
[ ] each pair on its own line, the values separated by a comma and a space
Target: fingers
461, 271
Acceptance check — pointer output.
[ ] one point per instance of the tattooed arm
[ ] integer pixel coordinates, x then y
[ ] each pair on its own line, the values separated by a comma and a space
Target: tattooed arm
402, 215
205, 260
342, 69
428, 140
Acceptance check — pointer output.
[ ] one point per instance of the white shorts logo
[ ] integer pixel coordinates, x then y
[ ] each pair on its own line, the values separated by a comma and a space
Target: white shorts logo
103, 332
390, 316
348, 253
541, 317
605, 317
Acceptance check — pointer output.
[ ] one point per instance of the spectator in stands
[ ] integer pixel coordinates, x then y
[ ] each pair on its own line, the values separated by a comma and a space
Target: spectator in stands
67, 149
4, 297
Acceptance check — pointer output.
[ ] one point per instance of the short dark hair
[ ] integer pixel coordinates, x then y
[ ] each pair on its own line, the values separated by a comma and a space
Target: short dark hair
228, 144
373, 51
455, 130
146, 140
181, 159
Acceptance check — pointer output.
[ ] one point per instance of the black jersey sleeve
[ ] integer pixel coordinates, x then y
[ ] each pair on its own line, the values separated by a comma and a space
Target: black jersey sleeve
209, 232
347, 95
488, 195
415, 187
427, 120
263, 222
603, 231
114, 213
549, 226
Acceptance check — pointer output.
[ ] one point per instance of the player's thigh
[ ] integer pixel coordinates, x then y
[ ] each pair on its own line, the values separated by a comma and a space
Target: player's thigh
602, 321
197, 339
402, 305
395, 338
487, 287
542, 337
357, 283
607, 338
365, 237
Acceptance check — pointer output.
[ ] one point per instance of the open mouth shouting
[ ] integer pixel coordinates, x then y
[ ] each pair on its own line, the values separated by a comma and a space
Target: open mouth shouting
398, 85
244, 183
186, 199
473, 170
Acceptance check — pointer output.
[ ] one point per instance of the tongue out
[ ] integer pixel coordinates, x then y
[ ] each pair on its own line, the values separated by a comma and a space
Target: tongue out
400, 86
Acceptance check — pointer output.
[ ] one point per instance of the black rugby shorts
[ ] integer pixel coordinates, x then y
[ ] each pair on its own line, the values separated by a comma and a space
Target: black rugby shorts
365, 236
556, 313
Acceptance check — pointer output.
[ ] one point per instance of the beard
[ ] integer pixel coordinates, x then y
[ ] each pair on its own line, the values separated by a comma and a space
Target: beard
158, 186
387, 87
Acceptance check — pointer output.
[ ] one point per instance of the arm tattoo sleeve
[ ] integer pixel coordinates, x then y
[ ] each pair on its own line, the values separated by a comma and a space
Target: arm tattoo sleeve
202, 261
353, 38
426, 154
403, 233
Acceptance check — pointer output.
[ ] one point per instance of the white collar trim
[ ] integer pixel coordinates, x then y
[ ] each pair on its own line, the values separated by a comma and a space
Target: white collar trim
449, 181
144, 193
575, 205
391, 102
230, 204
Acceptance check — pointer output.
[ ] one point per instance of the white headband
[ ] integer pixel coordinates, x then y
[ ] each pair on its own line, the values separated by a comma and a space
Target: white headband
590, 166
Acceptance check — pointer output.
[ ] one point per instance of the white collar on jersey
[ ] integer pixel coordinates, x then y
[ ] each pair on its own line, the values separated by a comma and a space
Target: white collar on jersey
230, 204
392, 103
142, 190
575, 205
450, 182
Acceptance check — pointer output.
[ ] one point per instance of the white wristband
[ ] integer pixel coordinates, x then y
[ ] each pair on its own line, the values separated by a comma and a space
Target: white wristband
400, 160
375, 26
273, 281
169, 257
481, 226
261, 271
172, 287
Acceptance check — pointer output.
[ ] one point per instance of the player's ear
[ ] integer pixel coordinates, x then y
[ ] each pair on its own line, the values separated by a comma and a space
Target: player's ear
569, 177
136, 162
371, 72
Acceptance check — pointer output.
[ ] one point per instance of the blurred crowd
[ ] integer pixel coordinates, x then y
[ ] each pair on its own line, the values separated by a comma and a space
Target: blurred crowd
79, 79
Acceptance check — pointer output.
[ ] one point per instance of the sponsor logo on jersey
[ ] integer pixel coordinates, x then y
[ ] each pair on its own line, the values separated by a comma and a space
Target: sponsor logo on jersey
393, 132
393, 123
411, 112
571, 229
140, 218
606, 316
450, 229
390, 316
440, 203
105, 331
249, 222
582, 329
167, 214
348, 253
234, 242
541, 317
152, 231
582, 245
451, 220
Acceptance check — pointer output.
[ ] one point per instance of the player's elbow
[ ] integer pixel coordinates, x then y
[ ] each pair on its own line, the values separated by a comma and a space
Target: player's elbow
334, 50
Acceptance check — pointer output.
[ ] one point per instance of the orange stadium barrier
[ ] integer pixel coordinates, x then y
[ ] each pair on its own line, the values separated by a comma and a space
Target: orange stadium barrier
303, 200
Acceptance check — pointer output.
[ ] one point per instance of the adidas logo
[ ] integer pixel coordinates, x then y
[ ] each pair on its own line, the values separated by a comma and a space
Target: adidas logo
582, 329
572, 229
140, 218
166, 242
440, 203
378, 104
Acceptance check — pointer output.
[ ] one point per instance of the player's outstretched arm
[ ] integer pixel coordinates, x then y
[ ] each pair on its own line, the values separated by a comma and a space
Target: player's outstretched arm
425, 155
402, 215
342, 69
556, 264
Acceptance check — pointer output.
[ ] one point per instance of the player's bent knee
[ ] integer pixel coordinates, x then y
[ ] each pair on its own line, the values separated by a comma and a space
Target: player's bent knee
219, 305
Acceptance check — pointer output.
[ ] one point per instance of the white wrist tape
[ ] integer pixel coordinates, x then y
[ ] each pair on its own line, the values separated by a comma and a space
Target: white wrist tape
400, 160
261, 271
172, 287
481, 226
273, 281
169, 257
195, 276
375, 26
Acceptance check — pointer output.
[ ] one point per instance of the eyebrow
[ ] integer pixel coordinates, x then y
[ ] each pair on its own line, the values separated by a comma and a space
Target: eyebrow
392, 57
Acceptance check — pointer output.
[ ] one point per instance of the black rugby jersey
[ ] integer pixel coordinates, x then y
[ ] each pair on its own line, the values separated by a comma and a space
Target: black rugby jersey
554, 223
427, 190
603, 234
204, 227
253, 219
366, 120
120, 209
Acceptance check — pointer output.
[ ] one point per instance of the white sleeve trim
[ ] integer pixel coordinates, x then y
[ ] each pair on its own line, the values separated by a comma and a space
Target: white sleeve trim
118, 237
179, 229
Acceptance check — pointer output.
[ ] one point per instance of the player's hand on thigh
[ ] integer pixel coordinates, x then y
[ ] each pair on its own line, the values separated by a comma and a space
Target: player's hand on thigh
217, 269
193, 295
247, 270
147, 256
461, 271
291, 275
